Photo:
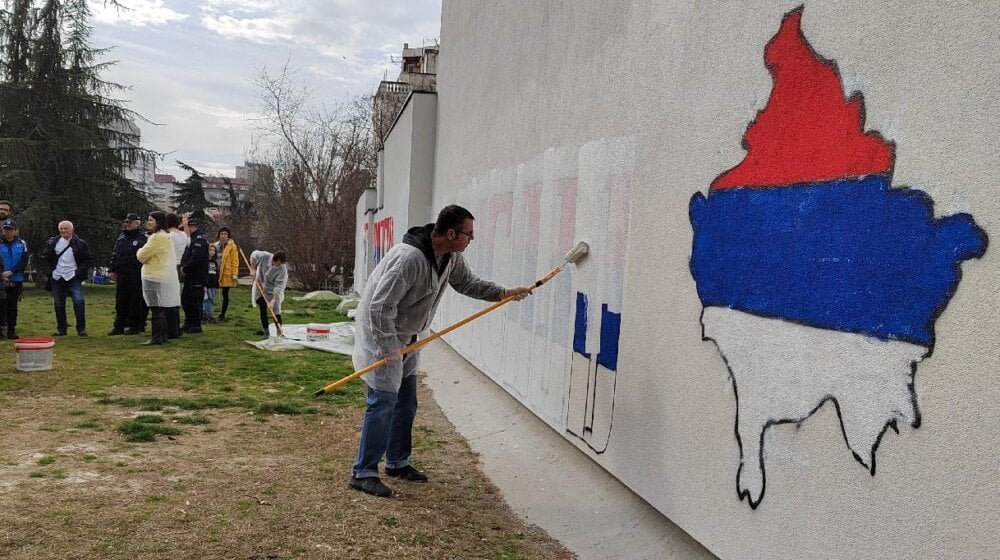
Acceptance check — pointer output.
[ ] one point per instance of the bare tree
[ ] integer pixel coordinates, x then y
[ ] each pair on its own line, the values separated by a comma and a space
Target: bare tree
322, 159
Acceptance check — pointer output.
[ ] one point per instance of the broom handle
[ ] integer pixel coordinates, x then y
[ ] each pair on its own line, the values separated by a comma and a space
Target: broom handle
439, 334
281, 331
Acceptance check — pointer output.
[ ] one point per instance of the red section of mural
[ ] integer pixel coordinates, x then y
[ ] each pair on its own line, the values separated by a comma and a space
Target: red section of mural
807, 132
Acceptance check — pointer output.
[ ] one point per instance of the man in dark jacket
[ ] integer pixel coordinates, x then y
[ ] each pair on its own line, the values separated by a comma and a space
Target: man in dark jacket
130, 308
66, 263
14, 253
194, 265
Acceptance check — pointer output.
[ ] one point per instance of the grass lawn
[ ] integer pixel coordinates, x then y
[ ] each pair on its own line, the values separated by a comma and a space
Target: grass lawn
209, 448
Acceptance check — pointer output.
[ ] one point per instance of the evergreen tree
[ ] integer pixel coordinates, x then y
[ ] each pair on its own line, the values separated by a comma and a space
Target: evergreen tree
65, 142
189, 195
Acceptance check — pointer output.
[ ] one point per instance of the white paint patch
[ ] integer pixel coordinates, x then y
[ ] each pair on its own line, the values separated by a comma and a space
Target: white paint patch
528, 216
783, 372
602, 209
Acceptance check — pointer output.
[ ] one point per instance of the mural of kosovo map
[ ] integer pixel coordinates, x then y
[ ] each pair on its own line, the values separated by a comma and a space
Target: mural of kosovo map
820, 281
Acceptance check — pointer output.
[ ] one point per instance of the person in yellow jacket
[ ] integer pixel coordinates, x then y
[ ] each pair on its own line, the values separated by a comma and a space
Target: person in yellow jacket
160, 286
229, 266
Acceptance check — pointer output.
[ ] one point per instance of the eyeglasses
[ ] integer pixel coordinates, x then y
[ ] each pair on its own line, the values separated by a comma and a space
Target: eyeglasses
469, 235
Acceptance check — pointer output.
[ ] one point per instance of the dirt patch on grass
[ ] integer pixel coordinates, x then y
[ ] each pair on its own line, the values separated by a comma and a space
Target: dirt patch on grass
242, 485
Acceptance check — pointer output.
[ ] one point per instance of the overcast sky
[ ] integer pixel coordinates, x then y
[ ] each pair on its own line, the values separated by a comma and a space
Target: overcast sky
190, 62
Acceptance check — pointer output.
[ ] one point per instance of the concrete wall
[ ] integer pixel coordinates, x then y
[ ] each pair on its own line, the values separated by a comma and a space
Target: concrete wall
420, 118
746, 389
404, 184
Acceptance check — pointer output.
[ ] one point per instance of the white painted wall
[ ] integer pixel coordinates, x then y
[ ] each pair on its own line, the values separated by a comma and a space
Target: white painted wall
364, 261
560, 121
404, 184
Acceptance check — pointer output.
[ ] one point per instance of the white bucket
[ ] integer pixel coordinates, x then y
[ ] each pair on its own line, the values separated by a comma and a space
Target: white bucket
34, 354
316, 332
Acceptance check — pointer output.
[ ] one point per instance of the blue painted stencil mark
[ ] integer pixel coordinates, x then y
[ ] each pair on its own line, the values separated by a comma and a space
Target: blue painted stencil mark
611, 325
580, 328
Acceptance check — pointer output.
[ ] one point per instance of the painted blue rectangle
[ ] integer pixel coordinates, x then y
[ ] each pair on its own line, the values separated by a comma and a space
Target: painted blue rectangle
580, 325
611, 326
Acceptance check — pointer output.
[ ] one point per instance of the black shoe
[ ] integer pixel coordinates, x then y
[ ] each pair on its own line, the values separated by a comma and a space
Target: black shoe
153, 342
59, 333
193, 330
12, 335
116, 332
371, 485
407, 473
132, 331
3, 336
82, 333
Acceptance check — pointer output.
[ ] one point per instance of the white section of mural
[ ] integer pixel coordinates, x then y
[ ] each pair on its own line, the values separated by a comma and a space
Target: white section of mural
783, 372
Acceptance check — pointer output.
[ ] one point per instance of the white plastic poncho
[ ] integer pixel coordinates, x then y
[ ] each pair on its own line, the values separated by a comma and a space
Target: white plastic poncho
272, 279
160, 286
400, 298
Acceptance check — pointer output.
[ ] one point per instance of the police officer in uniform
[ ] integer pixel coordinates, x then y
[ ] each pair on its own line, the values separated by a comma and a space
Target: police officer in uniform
130, 308
194, 264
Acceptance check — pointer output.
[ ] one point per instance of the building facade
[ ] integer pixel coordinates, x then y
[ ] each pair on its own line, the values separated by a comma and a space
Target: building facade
782, 336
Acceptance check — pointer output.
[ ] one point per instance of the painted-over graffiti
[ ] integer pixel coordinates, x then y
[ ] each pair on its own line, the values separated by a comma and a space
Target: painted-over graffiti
383, 238
820, 281
528, 217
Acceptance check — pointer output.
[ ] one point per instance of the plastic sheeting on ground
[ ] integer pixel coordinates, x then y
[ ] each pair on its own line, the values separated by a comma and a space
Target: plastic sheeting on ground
341, 339
348, 303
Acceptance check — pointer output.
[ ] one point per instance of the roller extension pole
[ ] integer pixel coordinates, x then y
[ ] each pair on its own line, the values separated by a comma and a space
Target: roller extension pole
281, 331
578, 252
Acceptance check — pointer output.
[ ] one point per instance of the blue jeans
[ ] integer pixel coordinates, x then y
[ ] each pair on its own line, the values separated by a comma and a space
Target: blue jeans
74, 289
387, 428
208, 305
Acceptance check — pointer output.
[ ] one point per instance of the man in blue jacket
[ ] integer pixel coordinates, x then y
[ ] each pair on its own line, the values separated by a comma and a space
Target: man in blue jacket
14, 252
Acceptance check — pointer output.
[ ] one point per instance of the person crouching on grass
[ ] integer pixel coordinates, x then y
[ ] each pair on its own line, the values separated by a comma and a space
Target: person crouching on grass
271, 273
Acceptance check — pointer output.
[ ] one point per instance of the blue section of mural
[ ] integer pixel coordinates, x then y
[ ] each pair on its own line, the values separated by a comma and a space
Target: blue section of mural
611, 326
580, 326
849, 255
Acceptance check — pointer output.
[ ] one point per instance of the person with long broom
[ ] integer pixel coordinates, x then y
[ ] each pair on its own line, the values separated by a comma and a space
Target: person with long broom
398, 304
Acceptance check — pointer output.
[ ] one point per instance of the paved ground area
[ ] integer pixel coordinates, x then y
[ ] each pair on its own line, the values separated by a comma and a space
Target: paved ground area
541, 474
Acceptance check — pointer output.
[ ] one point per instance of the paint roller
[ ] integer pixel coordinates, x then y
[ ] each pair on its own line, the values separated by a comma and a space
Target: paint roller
578, 252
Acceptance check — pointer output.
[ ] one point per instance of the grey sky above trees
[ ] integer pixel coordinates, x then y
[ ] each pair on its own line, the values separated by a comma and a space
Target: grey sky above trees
191, 63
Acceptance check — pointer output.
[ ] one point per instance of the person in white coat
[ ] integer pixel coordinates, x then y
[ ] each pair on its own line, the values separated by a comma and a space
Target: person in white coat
160, 287
180, 241
396, 309
271, 272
